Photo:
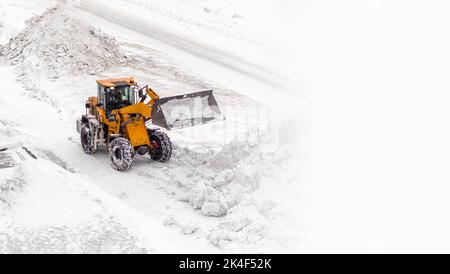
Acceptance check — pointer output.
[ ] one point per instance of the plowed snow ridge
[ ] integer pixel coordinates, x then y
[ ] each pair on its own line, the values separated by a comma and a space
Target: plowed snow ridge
54, 44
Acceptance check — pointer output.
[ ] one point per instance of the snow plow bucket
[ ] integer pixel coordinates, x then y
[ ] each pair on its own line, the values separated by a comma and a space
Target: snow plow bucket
186, 110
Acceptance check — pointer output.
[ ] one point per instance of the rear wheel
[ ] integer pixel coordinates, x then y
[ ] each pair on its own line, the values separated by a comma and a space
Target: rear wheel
86, 140
121, 154
162, 147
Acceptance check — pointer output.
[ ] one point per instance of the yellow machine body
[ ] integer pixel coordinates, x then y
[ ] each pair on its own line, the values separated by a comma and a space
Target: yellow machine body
141, 105
128, 121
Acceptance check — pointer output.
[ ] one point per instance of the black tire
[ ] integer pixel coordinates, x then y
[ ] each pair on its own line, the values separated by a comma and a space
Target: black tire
163, 150
121, 154
86, 140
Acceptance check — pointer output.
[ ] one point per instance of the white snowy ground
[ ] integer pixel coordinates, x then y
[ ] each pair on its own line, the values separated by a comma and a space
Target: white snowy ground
230, 186
380, 71
262, 32
13, 15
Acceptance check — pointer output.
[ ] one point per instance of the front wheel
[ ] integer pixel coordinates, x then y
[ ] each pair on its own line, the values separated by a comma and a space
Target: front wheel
121, 154
162, 147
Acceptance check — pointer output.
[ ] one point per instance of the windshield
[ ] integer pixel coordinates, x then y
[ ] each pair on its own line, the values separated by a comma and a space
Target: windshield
119, 97
125, 93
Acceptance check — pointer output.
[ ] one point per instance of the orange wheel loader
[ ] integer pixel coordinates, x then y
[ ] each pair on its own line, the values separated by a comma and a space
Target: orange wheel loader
117, 117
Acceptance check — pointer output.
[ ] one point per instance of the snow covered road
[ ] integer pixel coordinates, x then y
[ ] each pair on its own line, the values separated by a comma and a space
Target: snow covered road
196, 48
255, 76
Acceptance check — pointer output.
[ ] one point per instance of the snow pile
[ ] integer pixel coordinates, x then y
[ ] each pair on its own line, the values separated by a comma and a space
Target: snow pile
54, 44
244, 186
214, 181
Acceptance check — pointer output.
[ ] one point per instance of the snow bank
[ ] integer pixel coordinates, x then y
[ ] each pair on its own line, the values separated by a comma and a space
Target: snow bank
53, 44
254, 193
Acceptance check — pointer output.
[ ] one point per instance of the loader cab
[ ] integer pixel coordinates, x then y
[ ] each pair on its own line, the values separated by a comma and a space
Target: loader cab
116, 93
